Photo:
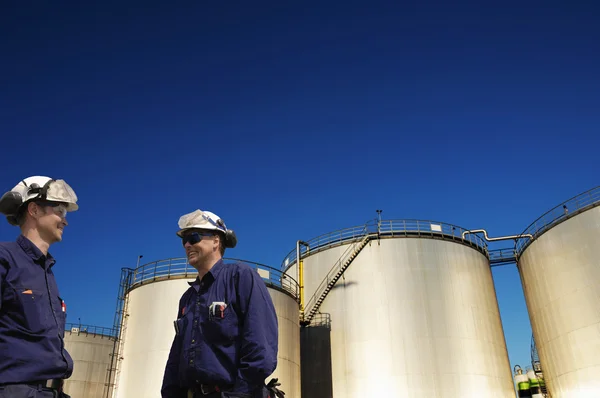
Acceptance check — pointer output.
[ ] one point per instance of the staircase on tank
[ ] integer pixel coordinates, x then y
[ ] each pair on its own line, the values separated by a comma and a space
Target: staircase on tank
333, 276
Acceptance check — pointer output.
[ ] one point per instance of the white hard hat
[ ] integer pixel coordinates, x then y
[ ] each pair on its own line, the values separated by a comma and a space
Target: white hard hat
199, 219
37, 187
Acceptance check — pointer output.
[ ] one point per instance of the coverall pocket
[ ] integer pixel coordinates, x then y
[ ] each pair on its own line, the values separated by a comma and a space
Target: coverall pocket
181, 324
221, 329
61, 315
35, 309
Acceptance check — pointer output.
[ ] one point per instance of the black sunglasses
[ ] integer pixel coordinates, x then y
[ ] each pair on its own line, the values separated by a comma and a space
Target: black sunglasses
194, 237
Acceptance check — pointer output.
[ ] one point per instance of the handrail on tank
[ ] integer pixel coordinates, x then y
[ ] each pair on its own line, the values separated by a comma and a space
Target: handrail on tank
90, 329
409, 227
558, 214
180, 267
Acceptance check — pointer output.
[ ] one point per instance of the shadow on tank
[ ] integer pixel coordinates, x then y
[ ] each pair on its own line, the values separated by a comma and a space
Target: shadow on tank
315, 358
342, 284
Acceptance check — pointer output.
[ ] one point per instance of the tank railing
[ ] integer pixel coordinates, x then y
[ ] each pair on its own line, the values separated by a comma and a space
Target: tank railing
558, 214
326, 240
77, 328
321, 319
162, 268
502, 255
180, 267
420, 228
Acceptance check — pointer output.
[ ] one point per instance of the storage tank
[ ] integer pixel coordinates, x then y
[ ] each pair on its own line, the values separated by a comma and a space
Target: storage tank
560, 273
414, 314
522, 382
150, 305
91, 348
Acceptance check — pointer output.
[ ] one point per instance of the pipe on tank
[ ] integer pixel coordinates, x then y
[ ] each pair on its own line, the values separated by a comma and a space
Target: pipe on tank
301, 275
473, 231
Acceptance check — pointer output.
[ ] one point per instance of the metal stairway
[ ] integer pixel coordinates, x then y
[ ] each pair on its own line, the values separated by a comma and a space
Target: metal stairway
332, 277
537, 368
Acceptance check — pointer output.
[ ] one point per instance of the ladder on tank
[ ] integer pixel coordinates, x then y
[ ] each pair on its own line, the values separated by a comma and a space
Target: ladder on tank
537, 368
333, 276
120, 327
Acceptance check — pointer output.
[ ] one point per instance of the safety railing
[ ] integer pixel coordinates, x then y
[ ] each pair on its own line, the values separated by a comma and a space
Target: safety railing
179, 267
77, 328
321, 319
393, 228
558, 214
501, 255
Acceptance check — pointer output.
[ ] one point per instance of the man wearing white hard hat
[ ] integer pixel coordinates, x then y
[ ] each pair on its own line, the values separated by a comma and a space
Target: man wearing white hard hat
33, 360
226, 336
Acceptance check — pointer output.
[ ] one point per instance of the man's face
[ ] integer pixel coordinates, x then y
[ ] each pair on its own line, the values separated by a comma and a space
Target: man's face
199, 245
50, 220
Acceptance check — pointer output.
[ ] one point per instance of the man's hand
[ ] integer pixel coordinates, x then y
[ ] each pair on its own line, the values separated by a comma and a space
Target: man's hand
275, 392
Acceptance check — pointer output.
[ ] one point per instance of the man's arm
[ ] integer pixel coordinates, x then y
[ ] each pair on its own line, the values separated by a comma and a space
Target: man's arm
170, 386
259, 333
3, 270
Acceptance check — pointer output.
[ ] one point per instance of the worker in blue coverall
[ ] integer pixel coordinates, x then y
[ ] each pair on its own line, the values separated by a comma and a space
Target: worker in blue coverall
226, 336
33, 359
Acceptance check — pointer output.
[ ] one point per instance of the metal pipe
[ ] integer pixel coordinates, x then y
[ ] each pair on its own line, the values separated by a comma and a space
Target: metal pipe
300, 264
495, 239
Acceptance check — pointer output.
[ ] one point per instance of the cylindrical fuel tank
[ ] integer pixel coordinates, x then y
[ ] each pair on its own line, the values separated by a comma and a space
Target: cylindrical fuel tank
560, 273
151, 305
413, 315
91, 348
534, 384
522, 383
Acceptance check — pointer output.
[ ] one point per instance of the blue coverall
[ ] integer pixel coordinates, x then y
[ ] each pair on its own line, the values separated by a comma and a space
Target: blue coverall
32, 322
226, 335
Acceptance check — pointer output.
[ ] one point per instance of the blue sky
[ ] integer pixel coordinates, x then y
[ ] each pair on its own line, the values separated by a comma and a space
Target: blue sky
292, 121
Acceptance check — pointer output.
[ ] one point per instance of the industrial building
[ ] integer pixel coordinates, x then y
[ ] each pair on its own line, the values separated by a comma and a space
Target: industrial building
390, 308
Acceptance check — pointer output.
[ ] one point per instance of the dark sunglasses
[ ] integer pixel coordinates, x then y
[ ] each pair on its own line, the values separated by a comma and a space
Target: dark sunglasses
194, 237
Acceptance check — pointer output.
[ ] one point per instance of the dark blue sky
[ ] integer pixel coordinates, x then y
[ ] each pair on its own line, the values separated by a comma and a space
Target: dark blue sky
291, 121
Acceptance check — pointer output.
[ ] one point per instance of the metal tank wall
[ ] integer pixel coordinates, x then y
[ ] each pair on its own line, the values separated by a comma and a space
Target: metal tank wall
560, 273
148, 331
91, 348
413, 316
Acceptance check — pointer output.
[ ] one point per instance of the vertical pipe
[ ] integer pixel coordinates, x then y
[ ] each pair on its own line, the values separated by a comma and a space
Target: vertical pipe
301, 270
300, 264
300, 279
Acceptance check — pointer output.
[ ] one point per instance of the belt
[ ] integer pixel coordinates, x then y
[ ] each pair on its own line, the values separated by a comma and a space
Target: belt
203, 389
51, 384
54, 384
